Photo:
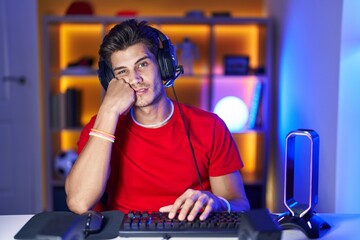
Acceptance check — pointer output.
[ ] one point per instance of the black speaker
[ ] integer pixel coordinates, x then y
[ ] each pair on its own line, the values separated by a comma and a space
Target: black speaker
166, 58
259, 224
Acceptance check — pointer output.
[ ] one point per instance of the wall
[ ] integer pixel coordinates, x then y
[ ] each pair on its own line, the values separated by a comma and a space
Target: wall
308, 75
348, 164
316, 87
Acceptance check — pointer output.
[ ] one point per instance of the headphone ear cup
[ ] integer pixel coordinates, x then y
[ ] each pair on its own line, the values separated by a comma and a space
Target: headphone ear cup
105, 74
166, 65
166, 59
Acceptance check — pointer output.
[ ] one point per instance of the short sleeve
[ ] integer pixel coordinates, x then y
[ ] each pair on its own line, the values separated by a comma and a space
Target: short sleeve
225, 157
84, 135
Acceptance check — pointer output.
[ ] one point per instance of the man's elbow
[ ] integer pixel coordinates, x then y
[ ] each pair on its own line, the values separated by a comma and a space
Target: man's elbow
78, 207
242, 204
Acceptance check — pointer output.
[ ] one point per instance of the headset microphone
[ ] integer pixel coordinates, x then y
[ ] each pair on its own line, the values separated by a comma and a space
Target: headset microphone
170, 82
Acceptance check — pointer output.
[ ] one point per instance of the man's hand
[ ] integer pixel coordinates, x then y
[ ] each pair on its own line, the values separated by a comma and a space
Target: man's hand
119, 97
191, 202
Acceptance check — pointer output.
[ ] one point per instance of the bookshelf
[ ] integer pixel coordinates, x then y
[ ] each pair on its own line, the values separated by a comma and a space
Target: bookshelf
68, 39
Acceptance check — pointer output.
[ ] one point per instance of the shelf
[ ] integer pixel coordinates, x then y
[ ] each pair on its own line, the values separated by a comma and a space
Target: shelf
78, 72
58, 182
105, 20
59, 130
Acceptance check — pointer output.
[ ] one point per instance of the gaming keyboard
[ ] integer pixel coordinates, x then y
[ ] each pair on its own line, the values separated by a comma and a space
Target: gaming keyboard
157, 224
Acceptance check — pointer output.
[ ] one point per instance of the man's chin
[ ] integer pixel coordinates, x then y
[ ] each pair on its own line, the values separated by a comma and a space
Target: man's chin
141, 103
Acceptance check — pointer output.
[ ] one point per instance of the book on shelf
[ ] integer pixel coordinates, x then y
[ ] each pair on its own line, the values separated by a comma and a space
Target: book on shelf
57, 111
79, 70
65, 109
254, 111
73, 105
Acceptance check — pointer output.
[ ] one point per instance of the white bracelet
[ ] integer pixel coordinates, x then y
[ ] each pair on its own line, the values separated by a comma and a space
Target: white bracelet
227, 204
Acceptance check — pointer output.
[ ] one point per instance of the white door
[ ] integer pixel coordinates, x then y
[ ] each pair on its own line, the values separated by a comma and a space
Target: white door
20, 142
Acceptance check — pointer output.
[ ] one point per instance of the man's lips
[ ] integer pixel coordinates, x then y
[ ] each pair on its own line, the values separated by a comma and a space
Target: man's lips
141, 91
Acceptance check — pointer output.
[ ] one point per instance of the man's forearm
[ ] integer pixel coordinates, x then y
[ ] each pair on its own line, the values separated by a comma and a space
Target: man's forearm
87, 180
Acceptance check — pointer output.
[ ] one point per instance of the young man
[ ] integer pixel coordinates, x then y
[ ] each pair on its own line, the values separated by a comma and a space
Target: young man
137, 149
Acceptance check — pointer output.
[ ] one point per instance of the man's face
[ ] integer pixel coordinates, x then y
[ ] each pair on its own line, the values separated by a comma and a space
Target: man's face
138, 67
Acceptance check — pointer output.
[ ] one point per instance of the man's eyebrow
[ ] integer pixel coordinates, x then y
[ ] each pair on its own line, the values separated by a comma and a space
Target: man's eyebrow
118, 68
139, 60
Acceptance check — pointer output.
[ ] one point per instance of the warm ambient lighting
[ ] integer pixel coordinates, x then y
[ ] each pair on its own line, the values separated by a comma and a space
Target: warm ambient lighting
198, 34
74, 44
237, 40
69, 140
251, 147
76, 41
233, 111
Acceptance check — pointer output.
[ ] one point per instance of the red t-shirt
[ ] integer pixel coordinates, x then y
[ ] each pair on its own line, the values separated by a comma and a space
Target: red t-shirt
151, 167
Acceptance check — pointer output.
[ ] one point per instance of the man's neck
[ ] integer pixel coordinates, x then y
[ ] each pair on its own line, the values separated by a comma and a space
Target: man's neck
153, 116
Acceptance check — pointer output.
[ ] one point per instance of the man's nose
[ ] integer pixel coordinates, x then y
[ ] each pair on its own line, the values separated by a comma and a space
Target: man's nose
135, 78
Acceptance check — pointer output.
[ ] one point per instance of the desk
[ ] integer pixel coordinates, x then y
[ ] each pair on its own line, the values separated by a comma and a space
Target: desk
343, 226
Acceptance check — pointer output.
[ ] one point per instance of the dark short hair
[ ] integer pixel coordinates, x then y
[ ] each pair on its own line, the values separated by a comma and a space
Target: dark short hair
126, 34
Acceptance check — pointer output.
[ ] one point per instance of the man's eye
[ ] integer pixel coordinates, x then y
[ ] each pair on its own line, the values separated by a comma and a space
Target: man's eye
143, 64
120, 72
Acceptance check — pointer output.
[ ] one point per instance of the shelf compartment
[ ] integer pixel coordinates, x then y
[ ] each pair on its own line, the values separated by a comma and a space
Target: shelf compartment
251, 147
198, 35
191, 90
245, 40
91, 94
248, 89
78, 41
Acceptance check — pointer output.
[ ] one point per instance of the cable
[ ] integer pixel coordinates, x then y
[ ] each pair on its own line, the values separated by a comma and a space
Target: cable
188, 137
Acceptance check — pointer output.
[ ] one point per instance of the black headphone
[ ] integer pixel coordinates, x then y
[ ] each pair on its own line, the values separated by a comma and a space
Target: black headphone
166, 57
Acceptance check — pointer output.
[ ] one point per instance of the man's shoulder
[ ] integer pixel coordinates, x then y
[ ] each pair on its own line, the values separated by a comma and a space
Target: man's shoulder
197, 113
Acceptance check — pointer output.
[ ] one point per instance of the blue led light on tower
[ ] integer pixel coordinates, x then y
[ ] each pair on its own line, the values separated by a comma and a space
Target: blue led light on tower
233, 111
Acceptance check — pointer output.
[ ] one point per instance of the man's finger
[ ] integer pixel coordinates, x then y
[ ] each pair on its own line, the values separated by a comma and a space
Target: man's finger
166, 208
206, 212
